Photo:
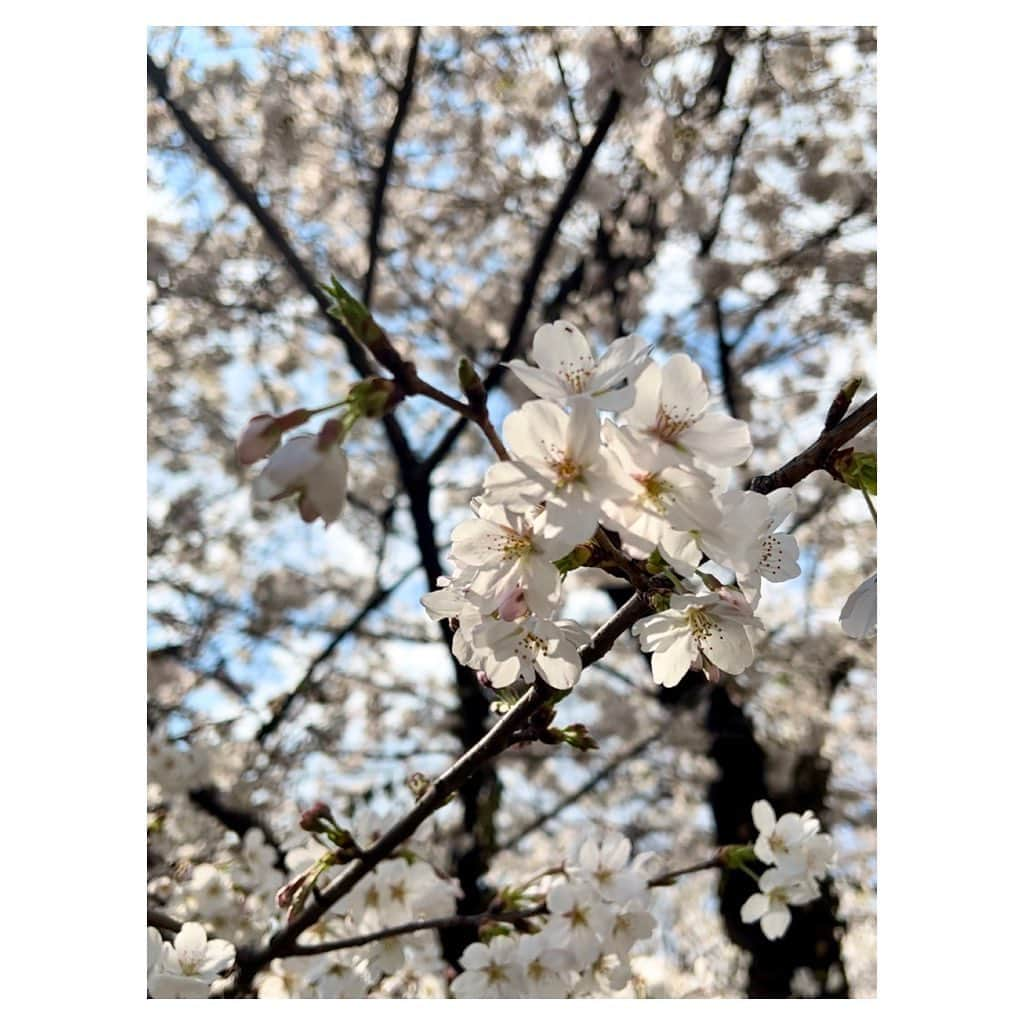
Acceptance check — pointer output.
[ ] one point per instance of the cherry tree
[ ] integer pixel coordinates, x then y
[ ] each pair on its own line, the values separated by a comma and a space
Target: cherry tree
512, 512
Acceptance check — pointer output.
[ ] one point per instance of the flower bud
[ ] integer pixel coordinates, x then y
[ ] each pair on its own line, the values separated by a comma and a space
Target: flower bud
418, 784
469, 381
578, 736
374, 397
317, 818
259, 438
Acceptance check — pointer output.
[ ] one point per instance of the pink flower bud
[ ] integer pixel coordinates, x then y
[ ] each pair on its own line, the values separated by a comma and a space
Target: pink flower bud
310, 821
513, 606
259, 438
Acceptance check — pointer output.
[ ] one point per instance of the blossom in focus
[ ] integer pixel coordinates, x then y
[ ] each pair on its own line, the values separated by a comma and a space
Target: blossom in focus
187, 969
770, 906
579, 921
671, 409
558, 460
566, 368
313, 468
604, 866
504, 548
492, 971
779, 840
656, 504
529, 647
546, 968
695, 629
859, 617
754, 547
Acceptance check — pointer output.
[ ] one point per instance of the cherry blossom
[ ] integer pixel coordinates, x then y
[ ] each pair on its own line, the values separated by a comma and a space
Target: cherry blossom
770, 906
505, 550
546, 967
697, 628
604, 866
186, 969
579, 921
529, 647
671, 408
492, 971
310, 467
566, 368
558, 461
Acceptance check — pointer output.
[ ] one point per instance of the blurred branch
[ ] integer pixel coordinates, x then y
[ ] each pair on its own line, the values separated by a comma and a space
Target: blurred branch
591, 784
531, 280
375, 600
377, 209
237, 820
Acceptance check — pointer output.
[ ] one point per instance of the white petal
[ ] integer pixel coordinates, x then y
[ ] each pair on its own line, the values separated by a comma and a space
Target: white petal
763, 815
531, 432
562, 349
719, 440
541, 382
670, 665
775, 923
755, 908
684, 395
728, 647
859, 617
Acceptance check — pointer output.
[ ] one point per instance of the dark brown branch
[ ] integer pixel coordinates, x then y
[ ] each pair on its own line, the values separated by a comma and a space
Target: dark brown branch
817, 455
236, 819
377, 210
498, 739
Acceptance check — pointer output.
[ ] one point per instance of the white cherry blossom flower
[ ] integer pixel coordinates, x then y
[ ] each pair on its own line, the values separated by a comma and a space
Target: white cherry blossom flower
770, 906
709, 627
605, 867
527, 648
779, 839
630, 925
749, 541
546, 968
186, 969
314, 469
672, 409
579, 921
859, 617
566, 368
655, 502
492, 971
504, 549
558, 461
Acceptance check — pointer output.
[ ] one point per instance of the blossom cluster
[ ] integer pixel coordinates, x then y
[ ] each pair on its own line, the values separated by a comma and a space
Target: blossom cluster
621, 444
798, 855
591, 921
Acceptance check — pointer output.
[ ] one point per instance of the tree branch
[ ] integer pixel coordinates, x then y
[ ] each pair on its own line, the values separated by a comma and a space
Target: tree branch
377, 209
817, 455
532, 278
498, 739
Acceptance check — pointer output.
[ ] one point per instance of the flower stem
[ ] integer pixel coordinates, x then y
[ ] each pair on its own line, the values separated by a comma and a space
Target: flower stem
871, 507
